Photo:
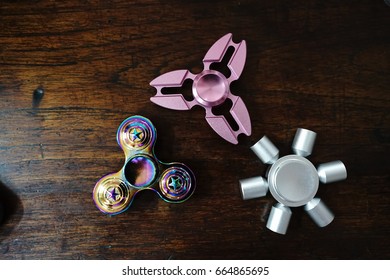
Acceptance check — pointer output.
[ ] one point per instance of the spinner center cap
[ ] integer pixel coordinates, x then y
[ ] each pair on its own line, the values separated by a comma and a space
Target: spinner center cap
210, 88
141, 171
293, 180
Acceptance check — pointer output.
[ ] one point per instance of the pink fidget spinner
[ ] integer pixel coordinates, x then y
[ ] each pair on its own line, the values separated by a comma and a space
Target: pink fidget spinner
210, 88
173, 182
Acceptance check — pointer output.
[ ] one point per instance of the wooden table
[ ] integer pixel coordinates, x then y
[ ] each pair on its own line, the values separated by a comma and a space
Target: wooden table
320, 65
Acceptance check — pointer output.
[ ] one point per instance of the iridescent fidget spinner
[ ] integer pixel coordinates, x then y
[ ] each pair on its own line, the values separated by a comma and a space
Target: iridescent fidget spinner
210, 88
293, 181
173, 182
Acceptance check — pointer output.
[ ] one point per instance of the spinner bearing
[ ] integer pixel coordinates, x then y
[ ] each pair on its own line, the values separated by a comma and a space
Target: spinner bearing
293, 181
173, 182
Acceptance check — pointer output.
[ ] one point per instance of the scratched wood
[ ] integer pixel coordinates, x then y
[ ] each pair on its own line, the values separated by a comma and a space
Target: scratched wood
71, 71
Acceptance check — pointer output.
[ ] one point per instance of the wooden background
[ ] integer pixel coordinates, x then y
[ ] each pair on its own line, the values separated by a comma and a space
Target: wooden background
321, 65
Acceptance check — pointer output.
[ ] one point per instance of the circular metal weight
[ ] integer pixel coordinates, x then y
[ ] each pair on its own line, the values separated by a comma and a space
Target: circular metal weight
279, 218
319, 212
332, 172
177, 183
266, 150
303, 142
136, 133
111, 195
253, 187
293, 180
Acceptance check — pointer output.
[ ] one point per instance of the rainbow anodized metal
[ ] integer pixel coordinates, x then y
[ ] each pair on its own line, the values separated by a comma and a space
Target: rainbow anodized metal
210, 88
293, 181
173, 182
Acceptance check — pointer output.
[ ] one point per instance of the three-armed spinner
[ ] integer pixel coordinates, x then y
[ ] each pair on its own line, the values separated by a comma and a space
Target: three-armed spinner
210, 88
173, 182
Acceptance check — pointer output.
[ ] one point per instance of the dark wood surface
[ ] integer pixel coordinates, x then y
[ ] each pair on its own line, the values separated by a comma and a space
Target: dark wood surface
321, 65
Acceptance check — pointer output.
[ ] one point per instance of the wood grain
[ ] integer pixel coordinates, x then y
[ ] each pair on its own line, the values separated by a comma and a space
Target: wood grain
321, 65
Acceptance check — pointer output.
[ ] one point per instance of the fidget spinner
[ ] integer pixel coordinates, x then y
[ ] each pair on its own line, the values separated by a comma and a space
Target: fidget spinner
293, 181
210, 88
173, 182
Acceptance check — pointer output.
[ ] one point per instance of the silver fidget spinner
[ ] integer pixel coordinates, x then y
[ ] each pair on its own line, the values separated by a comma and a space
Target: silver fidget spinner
293, 181
173, 182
